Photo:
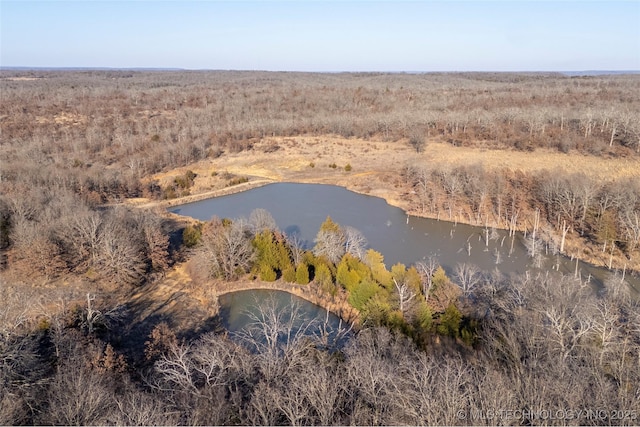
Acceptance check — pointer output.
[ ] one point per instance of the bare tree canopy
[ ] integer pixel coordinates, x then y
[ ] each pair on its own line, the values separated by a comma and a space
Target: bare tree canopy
330, 241
261, 220
227, 249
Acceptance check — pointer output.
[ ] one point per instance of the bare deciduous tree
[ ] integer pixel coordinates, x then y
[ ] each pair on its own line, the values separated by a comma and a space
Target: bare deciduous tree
78, 395
355, 242
296, 245
426, 269
121, 255
630, 220
261, 220
468, 277
20, 371
405, 295
227, 249
330, 243
135, 408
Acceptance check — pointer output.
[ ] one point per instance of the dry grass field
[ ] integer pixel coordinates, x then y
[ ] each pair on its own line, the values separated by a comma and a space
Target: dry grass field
376, 165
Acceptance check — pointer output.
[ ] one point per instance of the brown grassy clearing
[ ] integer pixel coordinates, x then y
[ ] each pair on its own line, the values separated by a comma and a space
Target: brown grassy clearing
596, 167
376, 165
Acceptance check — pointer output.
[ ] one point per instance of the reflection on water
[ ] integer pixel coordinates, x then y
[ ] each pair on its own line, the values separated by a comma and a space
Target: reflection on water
301, 208
266, 318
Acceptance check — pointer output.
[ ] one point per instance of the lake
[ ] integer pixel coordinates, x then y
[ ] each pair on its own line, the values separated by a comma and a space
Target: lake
301, 209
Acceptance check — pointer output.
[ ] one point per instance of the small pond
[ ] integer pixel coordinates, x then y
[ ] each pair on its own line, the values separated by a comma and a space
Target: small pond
255, 314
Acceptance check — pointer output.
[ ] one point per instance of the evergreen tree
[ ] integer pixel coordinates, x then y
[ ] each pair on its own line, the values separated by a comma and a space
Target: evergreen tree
302, 274
289, 274
376, 310
450, 322
283, 254
267, 273
362, 292
351, 271
424, 317
266, 249
192, 235
272, 254
375, 261
323, 275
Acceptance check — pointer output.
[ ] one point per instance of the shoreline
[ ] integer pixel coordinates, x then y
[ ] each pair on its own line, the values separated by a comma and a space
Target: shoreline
383, 193
198, 197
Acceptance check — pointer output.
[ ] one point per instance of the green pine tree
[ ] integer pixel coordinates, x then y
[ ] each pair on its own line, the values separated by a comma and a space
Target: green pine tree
267, 273
450, 322
302, 274
289, 274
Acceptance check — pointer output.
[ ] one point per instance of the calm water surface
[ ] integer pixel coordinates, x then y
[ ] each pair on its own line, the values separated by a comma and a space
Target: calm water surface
241, 310
301, 209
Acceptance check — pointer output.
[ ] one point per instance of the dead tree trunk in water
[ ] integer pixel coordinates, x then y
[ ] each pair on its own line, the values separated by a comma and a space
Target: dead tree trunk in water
565, 229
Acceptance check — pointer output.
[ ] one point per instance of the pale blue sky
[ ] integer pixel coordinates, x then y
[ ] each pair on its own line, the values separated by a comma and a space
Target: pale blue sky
323, 35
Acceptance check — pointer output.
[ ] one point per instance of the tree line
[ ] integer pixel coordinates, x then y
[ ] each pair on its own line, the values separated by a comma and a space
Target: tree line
603, 214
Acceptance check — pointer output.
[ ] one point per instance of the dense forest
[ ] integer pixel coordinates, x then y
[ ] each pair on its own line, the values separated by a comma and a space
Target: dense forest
473, 348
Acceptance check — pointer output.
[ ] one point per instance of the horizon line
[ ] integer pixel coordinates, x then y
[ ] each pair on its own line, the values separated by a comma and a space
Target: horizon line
82, 68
